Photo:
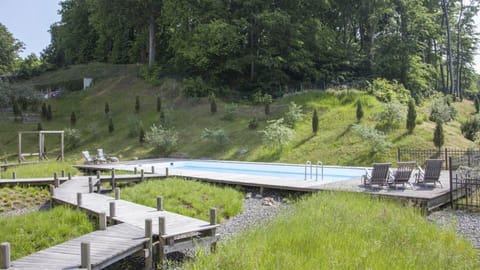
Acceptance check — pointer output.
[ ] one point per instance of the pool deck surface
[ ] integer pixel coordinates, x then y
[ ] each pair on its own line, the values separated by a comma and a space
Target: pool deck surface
432, 196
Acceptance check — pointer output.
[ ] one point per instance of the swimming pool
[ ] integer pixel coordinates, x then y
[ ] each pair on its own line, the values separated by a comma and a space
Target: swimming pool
286, 171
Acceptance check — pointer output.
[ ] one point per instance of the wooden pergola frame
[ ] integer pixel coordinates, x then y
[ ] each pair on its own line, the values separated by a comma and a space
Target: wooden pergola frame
41, 144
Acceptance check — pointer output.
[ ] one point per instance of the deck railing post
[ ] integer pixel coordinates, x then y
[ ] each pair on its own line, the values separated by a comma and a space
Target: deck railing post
52, 190
63, 173
134, 170
112, 209
160, 203
153, 169
90, 184
5, 255
148, 244
161, 241
102, 221
14, 175
98, 174
112, 182
79, 199
85, 255
56, 181
69, 176
213, 221
117, 193
142, 174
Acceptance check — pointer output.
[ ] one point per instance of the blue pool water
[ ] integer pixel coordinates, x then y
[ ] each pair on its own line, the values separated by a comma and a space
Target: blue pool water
292, 172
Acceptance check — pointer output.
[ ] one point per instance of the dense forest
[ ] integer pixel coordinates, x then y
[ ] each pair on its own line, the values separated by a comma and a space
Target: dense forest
276, 46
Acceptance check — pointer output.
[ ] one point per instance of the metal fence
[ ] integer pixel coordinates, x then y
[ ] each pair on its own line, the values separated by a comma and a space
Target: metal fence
464, 183
466, 157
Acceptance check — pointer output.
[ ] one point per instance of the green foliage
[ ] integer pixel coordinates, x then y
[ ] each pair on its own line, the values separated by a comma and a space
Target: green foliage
187, 197
213, 104
159, 103
217, 136
253, 123
111, 127
315, 121
36, 231
438, 136
411, 116
470, 128
195, 87
442, 109
293, 115
264, 99
230, 112
72, 138
73, 119
137, 104
341, 231
377, 139
391, 116
107, 108
43, 169
39, 126
359, 113
141, 135
388, 91
134, 126
477, 104
16, 108
161, 138
10, 48
17, 197
277, 134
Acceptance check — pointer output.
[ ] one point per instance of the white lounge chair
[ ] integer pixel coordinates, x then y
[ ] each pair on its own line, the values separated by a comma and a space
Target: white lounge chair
88, 159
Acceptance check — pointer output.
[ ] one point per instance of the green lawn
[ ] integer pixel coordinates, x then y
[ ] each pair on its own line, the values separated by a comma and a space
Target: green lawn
344, 231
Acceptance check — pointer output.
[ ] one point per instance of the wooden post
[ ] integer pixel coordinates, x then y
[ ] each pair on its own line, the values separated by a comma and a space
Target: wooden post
19, 147
102, 221
5, 255
63, 173
56, 182
14, 175
112, 209
90, 184
69, 176
161, 241
213, 221
52, 190
166, 172
85, 255
112, 182
62, 148
98, 174
148, 244
159, 203
79, 199
40, 146
142, 175
153, 169
134, 170
117, 193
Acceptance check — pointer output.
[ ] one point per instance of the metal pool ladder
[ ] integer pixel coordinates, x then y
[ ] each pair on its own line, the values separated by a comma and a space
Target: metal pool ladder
309, 164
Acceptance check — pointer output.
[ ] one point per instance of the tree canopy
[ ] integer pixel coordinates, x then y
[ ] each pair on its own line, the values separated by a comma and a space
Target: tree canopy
9, 49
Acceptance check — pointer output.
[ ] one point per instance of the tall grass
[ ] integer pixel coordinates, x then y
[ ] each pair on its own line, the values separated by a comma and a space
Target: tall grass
41, 169
39, 230
344, 231
187, 197
17, 197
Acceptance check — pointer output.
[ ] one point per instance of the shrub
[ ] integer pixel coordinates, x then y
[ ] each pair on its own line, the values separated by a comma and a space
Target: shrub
161, 138
217, 136
438, 137
277, 134
411, 116
39, 126
159, 104
253, 123
230, 112
111, 128
315, 122
137, 104
388, 91
141, 135
470, 128
359, 110
16, 108
72, 138
107, 108
44, 110
134, 127
195, 87
391, 116
213, 103
264, 99
375, 138
442, 110
293, 115
49, 112
73, 119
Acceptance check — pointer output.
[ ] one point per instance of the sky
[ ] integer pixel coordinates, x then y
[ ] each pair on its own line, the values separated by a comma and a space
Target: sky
30, 20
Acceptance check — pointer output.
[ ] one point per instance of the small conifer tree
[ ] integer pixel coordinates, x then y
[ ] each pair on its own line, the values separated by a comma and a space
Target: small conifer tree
213, 105
438, 137
44, 110
477, 104
107, 108
39, 126
111, 128
315, 122
141, 135
137, 104
162, 118
359, 110
159, 103
49, 112
267, 100
16, 108
73, 119
411, 116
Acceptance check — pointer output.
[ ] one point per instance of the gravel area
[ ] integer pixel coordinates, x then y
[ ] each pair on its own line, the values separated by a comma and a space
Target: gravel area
465, 223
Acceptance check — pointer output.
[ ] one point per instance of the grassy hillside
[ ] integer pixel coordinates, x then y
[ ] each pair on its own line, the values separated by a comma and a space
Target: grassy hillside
335, 142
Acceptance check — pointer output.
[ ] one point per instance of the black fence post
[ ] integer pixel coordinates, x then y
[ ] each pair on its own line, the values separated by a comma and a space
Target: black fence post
451, 181
447, 165
398, 154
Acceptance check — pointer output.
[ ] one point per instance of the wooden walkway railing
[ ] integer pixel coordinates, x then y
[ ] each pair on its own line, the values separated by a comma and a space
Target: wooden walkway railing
151, 232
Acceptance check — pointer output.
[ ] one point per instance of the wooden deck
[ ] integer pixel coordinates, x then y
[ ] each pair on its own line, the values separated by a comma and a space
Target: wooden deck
173, 232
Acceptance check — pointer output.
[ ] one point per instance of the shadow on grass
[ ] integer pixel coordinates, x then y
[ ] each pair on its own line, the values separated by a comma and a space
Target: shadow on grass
300, 143
271, 155
398, 138
347, 130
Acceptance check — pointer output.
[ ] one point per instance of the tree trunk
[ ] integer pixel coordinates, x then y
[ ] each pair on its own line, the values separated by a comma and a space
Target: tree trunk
151, 43
459, 59
449, 47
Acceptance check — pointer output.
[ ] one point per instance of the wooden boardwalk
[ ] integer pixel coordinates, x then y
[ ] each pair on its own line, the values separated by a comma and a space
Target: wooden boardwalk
166, 231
